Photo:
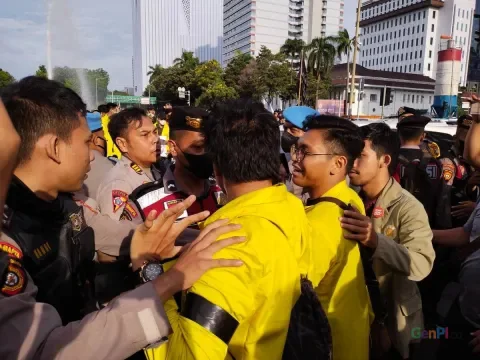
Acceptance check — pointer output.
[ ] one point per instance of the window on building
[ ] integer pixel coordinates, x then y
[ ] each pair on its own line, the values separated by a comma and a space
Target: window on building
424, 14
458, 25
411, 55
463, 13
423, 99
404, 31
418, 28
408, 32
418, 99
420, 67
421, 53
411, 43
401, 57
414, 67
434, 14
398, 57
410, 68
428, 67
381, 61
393, 46
396, 22
430, 54
376, 62
416, 42
421, 41
373, 97
410, 18
415, 54
408, 98
390, 47
404, 97
431, 41
433, 27
423, 27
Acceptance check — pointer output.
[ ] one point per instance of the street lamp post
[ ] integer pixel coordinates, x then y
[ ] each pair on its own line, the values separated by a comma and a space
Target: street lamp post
355, 54
96, 90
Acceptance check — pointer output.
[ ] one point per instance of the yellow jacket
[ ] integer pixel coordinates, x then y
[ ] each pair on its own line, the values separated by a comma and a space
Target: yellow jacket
164, 137
341, 290
260, 294
111, 147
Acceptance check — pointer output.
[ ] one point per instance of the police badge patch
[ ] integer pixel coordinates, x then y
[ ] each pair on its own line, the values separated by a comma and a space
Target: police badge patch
15, 279
390, 231
119, 198
11, 250
77, 221
434, 149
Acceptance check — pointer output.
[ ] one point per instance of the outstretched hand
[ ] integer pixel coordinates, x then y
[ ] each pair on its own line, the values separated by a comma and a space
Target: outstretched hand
155, 238
197, 257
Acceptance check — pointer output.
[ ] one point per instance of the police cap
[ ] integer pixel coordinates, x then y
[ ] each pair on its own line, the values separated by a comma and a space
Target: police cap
330, 122
296, 115
188, 118
409, 118
94, 121
465, 121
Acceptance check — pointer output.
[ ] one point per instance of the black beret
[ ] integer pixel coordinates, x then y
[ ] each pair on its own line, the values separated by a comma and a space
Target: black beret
404, 111
188, 118
329, 122
465, 121
412, 121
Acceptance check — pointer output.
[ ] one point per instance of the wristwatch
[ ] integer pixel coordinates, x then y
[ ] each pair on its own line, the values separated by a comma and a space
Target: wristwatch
149, 271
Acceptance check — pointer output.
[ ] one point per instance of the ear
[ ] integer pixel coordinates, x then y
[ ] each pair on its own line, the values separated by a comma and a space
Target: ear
339, 165
172, 147
387, 160
122, 144
53, 147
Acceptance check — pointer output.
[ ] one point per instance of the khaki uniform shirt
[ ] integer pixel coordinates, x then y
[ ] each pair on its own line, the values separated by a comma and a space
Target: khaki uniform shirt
33, 330
99, 167
118, 184
404, 255
112, 237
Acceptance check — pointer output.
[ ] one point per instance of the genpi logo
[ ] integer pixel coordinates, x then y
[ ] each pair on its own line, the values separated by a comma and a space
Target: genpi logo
437, 333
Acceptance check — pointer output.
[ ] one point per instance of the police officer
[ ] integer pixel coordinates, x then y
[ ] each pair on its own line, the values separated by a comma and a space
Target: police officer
47, 248
101, 164
417, 157
464, 189
137, 138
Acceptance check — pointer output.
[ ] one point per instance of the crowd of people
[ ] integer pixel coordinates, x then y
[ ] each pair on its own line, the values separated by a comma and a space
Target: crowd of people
233, 233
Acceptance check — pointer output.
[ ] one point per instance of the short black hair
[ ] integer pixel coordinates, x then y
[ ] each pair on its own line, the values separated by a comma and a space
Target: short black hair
38, 106
243, 139
384, 142
111, 106
103, 108
342, 136
408, 133
118, 125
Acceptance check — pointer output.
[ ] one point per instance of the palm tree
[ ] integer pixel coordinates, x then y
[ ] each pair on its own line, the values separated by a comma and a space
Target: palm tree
321, 57
154, 71
292, 49
344, 47
188, 60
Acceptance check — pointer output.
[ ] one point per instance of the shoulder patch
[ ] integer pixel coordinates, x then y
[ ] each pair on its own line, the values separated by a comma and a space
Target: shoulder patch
11, 250
15, 279
125, 216
119, 198
130, 209
136, 168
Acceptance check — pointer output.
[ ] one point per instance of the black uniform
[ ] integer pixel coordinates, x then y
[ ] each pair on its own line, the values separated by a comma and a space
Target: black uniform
58, 248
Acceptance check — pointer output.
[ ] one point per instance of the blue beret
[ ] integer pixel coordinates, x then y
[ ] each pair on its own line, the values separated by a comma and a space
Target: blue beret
298, 114
94, 121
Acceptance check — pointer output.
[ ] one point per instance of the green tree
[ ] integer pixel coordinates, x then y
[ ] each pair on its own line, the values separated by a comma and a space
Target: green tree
42, 72
216, 92
235, 68
118, 92
155, 71
5, 78
292, 49
344, 43
209, 80
321, 57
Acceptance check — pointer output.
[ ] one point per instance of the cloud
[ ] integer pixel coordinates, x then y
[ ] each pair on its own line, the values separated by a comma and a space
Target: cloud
88, 33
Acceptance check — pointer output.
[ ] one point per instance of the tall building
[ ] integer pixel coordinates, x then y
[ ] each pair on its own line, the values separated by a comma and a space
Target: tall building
406, 35
163, 28
250, 24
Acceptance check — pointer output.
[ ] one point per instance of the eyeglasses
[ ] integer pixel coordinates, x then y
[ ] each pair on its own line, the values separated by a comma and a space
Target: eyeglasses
298, 154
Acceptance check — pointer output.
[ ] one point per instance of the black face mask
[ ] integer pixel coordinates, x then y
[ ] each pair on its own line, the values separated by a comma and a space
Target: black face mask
199, 165
288, 140
167, 111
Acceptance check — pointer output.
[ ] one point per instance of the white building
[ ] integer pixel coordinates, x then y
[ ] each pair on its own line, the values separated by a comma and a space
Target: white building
412, 90
251, 24
405, 35
163, 28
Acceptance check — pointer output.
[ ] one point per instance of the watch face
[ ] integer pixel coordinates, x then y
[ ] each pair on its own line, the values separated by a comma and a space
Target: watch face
151, 271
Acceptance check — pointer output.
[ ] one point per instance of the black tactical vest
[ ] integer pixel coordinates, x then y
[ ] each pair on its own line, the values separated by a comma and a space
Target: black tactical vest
58, 248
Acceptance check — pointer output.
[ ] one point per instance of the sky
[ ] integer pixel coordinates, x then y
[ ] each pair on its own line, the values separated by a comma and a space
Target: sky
95, 34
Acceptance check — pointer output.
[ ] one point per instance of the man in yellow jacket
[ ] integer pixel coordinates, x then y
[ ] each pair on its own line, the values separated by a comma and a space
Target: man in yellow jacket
244, 313
321, 160
106, 111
